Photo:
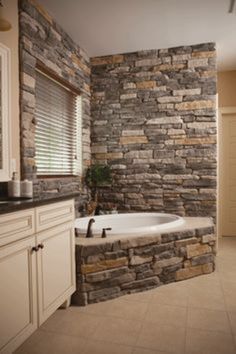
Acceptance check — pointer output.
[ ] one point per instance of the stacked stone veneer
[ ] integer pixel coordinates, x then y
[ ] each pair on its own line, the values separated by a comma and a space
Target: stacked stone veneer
43, 40
154, 123
114, 268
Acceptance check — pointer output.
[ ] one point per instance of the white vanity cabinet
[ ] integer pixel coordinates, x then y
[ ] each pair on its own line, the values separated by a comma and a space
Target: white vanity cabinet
37, 268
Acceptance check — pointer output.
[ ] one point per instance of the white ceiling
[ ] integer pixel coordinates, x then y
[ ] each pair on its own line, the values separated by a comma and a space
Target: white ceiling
104, 27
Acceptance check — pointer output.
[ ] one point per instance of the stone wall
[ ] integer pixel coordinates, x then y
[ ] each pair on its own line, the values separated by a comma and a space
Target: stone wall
154, 123
114, 268
43, 41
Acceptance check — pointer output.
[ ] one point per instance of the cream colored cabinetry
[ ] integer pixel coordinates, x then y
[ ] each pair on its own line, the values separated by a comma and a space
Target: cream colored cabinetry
18, 303
55, 268
37, 268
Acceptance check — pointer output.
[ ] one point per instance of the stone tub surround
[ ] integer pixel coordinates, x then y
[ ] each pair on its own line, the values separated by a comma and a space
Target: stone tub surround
112, 267
43, 40
154, 122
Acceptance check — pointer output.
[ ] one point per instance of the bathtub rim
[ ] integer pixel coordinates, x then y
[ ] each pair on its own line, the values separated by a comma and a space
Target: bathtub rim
139, 231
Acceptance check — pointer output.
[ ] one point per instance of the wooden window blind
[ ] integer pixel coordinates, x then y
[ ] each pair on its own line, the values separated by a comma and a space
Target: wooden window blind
58, 135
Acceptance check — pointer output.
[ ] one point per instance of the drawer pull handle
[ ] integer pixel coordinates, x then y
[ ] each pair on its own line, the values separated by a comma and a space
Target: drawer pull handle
41, 245
35, 249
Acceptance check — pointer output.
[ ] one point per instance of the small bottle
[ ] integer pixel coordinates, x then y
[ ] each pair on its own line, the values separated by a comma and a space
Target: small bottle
26, 189
14, 186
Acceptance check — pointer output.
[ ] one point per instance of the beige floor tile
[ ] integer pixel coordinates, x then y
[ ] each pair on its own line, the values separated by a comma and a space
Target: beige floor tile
163, 338
72, 322
166, 315
143, 296
213, 320
100, 347
127, 309
206, 296
146, 351
209, 342
172, 294
45, 342
100, 308
117, 330
232, 318
228, 275
229, 289
210, 282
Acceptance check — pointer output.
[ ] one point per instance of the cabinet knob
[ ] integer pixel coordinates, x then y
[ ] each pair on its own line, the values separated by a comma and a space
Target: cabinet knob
35, 249
41, 245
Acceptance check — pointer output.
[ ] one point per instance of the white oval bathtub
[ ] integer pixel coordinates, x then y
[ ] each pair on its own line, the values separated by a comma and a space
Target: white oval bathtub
130, 224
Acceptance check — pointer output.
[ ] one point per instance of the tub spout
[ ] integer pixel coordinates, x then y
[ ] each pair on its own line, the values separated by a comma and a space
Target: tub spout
89, 228
104, 231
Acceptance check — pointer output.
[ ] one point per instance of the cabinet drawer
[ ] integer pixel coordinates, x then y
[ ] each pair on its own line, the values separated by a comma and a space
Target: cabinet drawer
54, 214
15, 226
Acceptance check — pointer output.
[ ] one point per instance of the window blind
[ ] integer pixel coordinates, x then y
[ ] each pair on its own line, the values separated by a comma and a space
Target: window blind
58, 135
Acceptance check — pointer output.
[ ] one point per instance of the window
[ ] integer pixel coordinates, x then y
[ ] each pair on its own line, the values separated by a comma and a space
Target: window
58, 134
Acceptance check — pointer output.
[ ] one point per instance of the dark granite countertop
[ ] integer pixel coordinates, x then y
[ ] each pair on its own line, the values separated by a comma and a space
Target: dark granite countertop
16, 204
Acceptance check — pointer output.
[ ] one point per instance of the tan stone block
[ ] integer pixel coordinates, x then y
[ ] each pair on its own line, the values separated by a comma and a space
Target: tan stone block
195, 141
28, 80
148, 62
133, 140
181, 57
197, 250
29, 98
80, 64
201, 125
171, 99
113, 59
139, 242
101, 60
99, 149
109, 155
103, 265
187, 264
86, 87
129, 85
208, 238
166, 120
132, 133
208, 74
146, 84
209, 54
70, 71
186, 92
169, 67
184, 243
189, 272
207, 268
194, 63
193, 105
136, 260
116, 59
128, 96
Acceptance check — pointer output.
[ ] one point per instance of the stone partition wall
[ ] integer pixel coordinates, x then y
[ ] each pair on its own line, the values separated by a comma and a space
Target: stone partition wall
43, 41
108, 268
154, 123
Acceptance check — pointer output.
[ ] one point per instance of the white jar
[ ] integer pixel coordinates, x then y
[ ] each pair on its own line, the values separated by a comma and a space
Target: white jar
14, 187
26, 189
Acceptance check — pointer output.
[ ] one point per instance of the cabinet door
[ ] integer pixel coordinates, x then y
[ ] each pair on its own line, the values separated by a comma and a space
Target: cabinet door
18, 307
56, 268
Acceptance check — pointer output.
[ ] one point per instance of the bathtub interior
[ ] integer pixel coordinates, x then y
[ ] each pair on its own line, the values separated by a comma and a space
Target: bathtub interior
129, 224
